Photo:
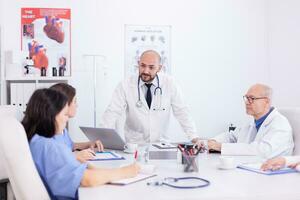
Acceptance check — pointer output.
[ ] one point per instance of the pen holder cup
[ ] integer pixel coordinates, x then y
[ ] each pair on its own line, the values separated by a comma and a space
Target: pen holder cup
190, 163
187, 148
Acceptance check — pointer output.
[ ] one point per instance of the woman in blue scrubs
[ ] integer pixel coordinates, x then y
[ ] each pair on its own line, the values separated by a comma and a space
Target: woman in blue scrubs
84, 151
45, 119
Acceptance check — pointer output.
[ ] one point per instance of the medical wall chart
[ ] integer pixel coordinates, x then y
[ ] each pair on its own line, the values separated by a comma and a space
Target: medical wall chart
139, 38
46, 35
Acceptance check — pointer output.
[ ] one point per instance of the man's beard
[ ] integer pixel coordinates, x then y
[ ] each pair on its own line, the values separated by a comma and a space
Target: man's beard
146, 77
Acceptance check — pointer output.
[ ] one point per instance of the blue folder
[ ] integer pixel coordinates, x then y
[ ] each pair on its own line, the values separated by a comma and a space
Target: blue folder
249, 167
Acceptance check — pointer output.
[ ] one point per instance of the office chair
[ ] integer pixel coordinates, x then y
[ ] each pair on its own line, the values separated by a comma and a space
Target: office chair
18, 163
293, 115
5, 187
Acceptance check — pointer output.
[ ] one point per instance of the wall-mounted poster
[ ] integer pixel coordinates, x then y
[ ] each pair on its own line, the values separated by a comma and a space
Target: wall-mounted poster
46, 35
140, 38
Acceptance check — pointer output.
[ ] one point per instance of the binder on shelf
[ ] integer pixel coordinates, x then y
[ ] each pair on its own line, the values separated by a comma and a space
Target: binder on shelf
28, 89
19, 95
13, 94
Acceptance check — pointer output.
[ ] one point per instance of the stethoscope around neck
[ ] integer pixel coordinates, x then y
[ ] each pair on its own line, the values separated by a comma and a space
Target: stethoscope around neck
157, 100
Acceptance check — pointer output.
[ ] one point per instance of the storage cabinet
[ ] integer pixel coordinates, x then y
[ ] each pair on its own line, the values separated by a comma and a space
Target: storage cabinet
19, 91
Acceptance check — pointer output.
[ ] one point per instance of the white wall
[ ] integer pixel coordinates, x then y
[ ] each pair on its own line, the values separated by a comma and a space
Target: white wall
219, 48
284, 48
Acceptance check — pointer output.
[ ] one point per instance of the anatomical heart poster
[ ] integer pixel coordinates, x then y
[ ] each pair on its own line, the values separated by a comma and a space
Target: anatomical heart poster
46, 36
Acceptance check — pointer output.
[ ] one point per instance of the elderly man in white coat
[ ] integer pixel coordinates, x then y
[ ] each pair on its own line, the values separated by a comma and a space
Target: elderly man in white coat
147, 99
268, 135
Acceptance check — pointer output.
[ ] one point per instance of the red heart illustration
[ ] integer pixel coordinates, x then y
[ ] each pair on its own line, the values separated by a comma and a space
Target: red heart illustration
40, 59
53, 29
38, 54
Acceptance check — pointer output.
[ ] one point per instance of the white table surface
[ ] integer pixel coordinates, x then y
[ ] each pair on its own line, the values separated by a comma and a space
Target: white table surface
225, 184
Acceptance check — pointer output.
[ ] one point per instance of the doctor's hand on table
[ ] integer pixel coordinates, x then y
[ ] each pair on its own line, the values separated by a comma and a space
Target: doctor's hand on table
207, 144
199, 143
277, 163
214, 145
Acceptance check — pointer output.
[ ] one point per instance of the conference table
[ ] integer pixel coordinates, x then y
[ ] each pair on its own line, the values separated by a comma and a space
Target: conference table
224, 184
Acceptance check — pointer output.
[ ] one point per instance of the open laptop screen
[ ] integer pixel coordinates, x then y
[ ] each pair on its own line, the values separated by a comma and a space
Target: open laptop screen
109, 137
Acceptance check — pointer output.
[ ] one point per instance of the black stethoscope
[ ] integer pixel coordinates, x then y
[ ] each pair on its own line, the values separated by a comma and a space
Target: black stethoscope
156, 90
169, 181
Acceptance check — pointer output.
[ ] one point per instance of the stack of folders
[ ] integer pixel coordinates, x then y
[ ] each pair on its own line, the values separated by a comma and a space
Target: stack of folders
162, 151
255, 167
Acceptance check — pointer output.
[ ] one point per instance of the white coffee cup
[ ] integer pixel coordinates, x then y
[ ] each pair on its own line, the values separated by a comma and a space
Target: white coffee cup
227, 162
130, 147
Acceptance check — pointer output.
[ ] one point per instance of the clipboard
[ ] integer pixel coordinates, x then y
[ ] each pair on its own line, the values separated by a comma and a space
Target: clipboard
255, 167
107, 155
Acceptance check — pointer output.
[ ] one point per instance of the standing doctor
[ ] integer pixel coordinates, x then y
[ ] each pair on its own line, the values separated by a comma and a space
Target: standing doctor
147, 99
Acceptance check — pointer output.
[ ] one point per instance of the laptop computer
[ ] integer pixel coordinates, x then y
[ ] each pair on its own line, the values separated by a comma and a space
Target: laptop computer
109, 137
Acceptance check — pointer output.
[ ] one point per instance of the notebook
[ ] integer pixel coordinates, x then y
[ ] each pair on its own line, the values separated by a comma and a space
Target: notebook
255, 167
139, 177
147, 171
107, 155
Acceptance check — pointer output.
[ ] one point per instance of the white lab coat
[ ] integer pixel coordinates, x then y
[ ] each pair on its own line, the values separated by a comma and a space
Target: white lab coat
142, 124
289, 160
274, 138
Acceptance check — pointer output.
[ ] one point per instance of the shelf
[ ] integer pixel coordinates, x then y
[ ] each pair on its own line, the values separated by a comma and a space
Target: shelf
38, 78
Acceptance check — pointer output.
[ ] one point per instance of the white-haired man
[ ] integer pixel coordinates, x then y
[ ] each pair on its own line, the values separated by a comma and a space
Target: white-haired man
268, 135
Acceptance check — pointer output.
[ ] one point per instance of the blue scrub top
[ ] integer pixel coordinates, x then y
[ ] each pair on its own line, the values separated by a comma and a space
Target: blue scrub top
67, 140
57, 166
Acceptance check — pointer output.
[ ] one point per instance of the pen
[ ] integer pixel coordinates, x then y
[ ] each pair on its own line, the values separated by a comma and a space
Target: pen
180, 148
191, 152
198, 151
92, 152
201, 149
135, 154
183, 150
